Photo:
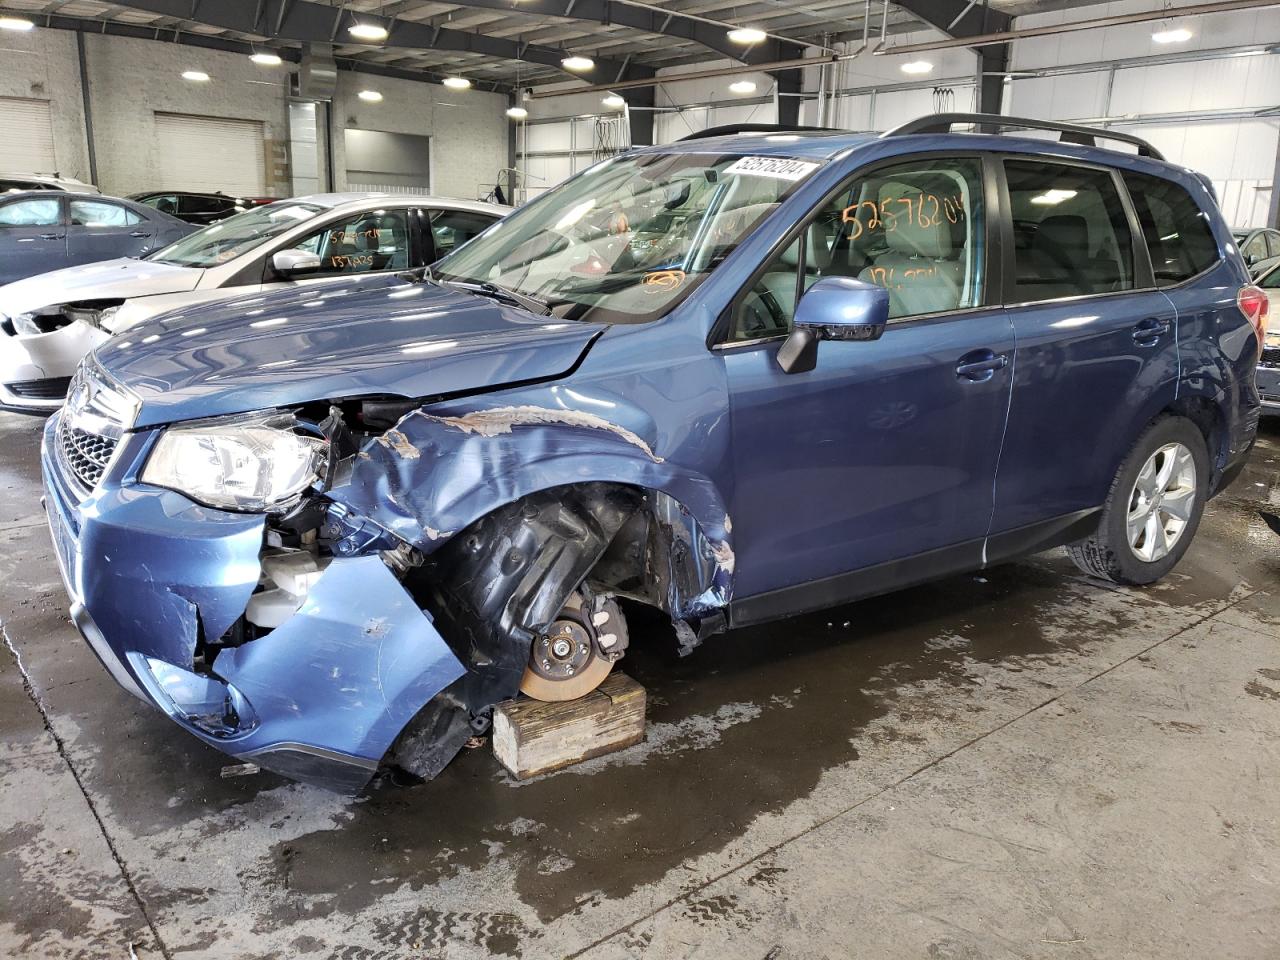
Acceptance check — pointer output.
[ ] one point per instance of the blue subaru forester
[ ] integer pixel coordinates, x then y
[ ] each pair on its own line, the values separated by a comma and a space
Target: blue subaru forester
736, 378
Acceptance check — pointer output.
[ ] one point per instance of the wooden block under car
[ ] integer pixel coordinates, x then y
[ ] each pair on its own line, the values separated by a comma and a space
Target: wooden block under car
531, 737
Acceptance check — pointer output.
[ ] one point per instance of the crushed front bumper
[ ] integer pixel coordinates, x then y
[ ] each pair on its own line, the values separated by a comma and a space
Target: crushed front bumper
320, 698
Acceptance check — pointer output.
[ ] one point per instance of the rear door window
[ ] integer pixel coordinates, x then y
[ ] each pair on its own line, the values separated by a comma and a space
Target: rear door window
199, 205
1177, 231
453, 228
1255, 249
95, 213
1071, 235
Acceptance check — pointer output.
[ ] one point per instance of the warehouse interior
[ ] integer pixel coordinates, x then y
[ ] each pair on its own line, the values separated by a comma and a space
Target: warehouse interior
1017, 761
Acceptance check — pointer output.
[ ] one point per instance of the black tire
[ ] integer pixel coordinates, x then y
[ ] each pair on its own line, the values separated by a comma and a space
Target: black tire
1106, 553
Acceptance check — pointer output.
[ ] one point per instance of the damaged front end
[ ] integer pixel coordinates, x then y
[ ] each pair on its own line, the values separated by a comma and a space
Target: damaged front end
327, 589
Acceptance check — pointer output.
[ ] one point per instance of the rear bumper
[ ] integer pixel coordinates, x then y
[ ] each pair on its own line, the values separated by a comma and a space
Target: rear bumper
320, 698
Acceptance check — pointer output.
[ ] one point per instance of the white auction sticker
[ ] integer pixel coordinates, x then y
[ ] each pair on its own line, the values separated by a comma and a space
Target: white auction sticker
779, 167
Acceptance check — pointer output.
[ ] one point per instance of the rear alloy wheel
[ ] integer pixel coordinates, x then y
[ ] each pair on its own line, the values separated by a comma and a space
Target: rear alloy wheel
576, 652
1162, 502
1153, 508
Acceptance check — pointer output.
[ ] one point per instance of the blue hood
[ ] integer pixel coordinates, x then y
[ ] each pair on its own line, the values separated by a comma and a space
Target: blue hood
381, 335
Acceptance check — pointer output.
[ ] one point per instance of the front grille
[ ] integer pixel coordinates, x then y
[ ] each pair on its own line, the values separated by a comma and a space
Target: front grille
51, 389
1271, 357
91, 426
85, 455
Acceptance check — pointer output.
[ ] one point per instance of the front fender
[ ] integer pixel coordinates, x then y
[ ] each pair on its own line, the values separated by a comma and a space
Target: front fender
443, 468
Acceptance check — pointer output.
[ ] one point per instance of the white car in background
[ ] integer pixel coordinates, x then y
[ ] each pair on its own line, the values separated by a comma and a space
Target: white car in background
48, 322
18, 182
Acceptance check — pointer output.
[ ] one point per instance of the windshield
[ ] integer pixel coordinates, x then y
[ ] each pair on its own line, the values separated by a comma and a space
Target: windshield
236, 235
629, 239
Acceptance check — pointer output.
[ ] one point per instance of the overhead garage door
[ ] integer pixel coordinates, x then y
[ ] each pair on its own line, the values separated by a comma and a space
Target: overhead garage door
201, 154
27, 144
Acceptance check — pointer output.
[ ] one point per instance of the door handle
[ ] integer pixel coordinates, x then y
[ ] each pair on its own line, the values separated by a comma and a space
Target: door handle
139, 234
981, 365
1148, 331
51, 236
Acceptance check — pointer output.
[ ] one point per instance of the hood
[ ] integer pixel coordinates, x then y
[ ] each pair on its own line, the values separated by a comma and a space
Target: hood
107, 280
384, 336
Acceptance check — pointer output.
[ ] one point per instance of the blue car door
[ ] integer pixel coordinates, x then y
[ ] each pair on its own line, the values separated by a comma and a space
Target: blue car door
102, 230
1097, 352
879, 464
33, 236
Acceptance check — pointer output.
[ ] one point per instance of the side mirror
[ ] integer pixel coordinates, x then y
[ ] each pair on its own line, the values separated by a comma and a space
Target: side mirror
834, 308
295, 263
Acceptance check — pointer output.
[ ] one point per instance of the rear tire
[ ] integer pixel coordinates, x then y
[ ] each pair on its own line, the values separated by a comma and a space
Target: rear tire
1153, 508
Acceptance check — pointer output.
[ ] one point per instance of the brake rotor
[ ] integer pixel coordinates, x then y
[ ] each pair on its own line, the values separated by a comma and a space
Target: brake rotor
565, 662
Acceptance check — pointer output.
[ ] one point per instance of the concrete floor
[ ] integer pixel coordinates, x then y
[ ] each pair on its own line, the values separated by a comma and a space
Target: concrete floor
1021, 763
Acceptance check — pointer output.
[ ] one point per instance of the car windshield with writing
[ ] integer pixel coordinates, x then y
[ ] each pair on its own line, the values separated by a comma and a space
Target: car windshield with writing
225, 241
631, 238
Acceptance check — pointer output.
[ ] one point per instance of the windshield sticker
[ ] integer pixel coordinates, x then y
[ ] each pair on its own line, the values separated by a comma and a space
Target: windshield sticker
664, 279
780, 168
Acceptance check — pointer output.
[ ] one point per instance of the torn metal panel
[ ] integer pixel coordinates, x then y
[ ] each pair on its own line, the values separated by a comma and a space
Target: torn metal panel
444, 467
160, 559
341, 676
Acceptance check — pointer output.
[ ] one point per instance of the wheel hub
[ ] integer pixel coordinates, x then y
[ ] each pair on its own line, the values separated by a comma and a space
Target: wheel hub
576, 652
562, 651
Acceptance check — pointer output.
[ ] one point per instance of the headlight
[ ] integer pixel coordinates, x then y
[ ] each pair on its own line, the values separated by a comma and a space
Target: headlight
26, 323
251, 464
104, 319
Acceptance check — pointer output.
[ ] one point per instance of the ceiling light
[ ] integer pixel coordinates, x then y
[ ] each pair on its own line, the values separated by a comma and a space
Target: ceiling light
368, 31
198, 76
1176, 35
266, 59
743, 87
370, 96
577, 63
917, 67
746, 35
614, 102
456, 83
517, 113
15, 23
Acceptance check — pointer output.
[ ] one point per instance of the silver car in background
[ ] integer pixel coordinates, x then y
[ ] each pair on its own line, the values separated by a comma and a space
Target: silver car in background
48, 322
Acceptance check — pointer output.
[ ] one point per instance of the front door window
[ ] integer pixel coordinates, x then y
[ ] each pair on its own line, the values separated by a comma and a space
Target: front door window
365, 243
915, 229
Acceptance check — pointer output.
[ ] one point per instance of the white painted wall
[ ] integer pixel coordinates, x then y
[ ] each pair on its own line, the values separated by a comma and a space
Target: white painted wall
131, 80
468, 128
1185, 109
41, 65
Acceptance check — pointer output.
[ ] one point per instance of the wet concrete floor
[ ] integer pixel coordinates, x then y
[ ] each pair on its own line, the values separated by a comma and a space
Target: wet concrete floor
1016, 763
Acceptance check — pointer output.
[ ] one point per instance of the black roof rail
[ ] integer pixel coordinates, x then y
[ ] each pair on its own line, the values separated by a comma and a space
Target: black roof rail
731, 128
1071, 132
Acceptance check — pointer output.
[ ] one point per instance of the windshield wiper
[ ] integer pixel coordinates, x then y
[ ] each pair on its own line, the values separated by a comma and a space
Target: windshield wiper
490, 289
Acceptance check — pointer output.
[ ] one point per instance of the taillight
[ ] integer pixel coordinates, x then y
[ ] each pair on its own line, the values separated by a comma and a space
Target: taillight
1253, 304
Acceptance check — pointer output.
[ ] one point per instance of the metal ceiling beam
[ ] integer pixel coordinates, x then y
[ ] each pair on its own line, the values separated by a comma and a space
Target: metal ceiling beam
166, 34
958, 18
646, 18
961, 19
305, 21
1072, 26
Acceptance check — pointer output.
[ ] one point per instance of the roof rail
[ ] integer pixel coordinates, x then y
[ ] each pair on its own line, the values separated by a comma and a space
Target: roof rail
731, 128
1071, 132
